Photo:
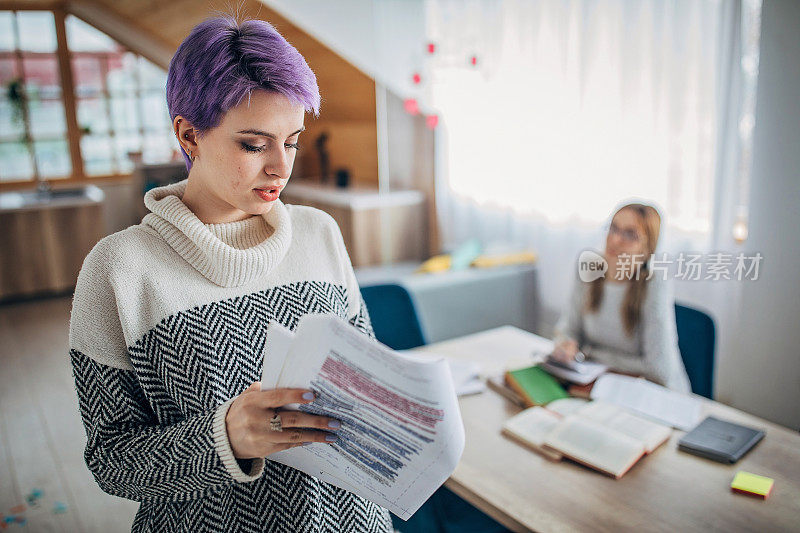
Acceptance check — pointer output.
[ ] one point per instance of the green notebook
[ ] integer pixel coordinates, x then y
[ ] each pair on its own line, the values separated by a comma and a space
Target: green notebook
535, 386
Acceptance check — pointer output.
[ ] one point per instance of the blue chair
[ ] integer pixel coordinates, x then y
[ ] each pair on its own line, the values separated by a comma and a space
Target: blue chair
445, 512
394, 319
696, 339
393, 316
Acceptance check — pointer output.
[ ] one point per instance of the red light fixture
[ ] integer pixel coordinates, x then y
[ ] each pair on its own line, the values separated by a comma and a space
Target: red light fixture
432, 121
411, 106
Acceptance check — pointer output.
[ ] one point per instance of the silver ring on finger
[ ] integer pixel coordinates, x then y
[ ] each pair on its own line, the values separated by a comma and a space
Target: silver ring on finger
275, 422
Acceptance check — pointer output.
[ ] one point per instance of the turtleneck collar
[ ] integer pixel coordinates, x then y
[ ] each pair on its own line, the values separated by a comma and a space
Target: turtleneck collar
229, 254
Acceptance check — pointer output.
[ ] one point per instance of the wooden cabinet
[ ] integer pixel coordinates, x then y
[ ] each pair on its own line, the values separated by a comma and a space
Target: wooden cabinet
377, 227
43, 242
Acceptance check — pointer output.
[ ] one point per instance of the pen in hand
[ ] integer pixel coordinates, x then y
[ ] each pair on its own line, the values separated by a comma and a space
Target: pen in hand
574, 364
579, 356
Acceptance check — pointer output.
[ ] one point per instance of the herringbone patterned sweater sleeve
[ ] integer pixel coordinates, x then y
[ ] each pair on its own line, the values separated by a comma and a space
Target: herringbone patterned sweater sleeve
133, 457
129, 453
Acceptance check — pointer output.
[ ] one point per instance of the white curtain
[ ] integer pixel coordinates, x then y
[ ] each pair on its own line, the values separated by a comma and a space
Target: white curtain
574, 106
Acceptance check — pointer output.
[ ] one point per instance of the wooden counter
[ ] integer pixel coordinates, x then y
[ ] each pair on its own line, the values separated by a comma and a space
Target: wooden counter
43, 241
376, 227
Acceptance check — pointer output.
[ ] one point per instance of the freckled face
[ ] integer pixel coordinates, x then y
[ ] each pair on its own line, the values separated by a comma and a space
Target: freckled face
253, 147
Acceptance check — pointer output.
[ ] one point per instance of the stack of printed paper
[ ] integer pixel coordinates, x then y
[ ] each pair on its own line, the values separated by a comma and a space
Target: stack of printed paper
401, 434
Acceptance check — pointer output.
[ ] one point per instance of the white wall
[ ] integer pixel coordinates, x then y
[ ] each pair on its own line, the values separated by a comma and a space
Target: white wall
345, 26
763, 374
384, 38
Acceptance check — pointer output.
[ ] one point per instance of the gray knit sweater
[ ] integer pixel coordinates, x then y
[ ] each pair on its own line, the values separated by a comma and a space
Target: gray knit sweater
652, 349
167, 327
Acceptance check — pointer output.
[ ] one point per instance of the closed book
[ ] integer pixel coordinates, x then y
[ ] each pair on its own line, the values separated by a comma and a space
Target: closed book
535, 386
498, 384
719, 440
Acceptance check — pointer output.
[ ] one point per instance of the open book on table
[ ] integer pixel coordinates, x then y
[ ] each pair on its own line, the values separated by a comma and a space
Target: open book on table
401, 435
681, 411
597, 434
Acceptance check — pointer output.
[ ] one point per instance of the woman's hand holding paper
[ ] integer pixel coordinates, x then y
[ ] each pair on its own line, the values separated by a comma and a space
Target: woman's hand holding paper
248, 422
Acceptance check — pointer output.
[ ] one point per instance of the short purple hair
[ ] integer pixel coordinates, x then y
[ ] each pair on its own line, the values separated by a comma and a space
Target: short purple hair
223, 60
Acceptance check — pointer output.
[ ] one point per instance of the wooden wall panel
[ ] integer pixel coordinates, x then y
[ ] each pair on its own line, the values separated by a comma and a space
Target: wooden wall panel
351, 144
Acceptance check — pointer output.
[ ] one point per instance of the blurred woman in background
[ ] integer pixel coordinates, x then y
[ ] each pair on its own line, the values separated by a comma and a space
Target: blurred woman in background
625, 320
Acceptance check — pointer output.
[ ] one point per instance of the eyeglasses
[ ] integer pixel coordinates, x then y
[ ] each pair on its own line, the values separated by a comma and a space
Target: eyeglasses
627, 235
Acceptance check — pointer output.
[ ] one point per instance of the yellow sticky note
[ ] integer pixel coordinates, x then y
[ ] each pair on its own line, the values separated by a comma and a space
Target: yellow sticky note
752, 484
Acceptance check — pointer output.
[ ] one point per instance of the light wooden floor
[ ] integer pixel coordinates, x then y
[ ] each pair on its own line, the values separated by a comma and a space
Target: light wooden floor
41, 434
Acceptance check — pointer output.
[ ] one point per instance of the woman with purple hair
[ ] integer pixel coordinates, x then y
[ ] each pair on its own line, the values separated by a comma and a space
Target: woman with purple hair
169, 316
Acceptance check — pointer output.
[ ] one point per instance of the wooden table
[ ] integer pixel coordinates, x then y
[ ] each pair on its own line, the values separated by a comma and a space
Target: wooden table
665, 491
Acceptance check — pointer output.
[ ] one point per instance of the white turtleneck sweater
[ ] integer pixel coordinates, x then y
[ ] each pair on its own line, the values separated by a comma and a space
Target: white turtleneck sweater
167, 327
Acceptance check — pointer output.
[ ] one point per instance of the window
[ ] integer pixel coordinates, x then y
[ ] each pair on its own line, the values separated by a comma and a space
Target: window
119, 102
33, 138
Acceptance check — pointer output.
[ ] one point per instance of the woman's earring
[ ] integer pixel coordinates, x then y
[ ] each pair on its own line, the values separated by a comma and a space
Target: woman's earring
191, 156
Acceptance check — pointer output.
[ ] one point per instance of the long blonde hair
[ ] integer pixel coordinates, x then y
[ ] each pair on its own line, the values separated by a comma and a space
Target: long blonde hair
634, 296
